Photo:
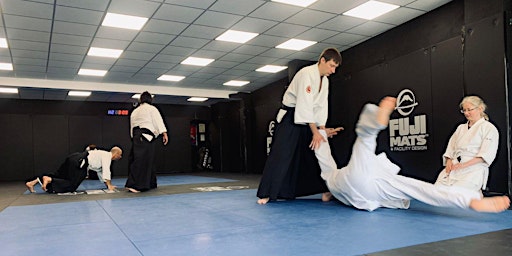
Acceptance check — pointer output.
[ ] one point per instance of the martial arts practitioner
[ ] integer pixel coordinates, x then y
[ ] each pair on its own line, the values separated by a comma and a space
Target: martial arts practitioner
370, 181
471, 148
291, 169
73, 171
146, 124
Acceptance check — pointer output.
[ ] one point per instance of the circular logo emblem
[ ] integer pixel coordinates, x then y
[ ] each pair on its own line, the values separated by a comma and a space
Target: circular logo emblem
308, 89
406, 102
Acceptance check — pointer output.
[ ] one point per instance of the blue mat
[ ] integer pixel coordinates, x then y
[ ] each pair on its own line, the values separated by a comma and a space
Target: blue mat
230, 223
167, 180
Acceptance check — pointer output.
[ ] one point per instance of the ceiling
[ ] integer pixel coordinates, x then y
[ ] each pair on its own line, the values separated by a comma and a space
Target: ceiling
49, 40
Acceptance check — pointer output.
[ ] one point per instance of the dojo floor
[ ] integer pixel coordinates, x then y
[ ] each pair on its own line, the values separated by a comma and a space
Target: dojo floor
217, 214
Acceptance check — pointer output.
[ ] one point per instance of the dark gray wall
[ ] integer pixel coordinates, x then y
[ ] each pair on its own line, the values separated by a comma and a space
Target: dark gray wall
38, 135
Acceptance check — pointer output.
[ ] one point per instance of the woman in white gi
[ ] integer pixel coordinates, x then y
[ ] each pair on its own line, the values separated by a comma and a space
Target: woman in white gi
370, 181
471, 149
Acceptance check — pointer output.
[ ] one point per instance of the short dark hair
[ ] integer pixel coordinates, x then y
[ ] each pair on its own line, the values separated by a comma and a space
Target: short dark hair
331, 54
145, 97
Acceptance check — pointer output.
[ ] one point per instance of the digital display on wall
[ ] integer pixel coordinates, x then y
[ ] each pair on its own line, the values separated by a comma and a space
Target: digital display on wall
117, 112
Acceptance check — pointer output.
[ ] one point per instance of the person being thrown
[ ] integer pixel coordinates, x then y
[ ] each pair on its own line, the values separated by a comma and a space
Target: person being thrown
370, 181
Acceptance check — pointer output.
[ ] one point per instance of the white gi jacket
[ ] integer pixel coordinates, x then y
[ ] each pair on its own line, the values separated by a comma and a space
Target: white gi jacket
481, 140
147, 116
370, 181
305, 95
99, 161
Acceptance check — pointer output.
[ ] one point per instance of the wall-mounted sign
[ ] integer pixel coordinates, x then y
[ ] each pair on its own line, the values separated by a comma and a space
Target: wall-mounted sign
408, 133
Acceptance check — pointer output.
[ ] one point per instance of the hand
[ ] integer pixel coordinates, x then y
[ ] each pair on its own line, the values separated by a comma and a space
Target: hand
317, 139
333, 131
449, 166
165, 138
388, 104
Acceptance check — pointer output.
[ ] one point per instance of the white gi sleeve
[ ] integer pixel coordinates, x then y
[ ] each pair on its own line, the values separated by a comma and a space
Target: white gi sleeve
490, 142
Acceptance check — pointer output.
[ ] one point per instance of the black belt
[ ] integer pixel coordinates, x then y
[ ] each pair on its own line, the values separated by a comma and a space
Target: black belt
143, 130
287, 108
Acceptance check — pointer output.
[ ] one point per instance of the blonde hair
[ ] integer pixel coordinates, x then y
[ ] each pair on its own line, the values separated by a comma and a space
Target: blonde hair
477, 102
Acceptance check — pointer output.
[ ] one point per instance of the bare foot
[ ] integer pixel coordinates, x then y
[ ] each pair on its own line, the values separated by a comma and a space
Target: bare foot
133, 190
46, 181
490, 204
326, 197
263, 200
30, 186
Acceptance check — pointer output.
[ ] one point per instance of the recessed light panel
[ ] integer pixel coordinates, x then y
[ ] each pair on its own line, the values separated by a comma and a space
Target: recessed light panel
371, 10
197, 61
92, 72
3, 43
271, 68
296, 44
170, 78
79, 93
8, 90
236, 36
5, 66
124, 21
104, 52
197, 99
301, 3
236, 83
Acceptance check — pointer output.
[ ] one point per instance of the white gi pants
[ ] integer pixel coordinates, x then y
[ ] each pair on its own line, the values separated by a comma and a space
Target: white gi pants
370, 181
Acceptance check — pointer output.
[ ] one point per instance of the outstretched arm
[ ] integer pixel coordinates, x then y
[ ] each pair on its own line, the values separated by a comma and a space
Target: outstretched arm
386, 107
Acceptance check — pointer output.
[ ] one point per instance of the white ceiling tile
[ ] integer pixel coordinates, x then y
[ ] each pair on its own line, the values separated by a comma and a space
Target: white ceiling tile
177, 13
217, 19
240, 7
309, 17
74, 28
286, 30
27, 23
205, 32
275, 11
69, 14
336, 6
28, 9
165, 27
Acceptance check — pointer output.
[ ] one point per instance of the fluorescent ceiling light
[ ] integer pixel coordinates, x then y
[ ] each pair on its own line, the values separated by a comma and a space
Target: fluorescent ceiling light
79, 93
301, 3
236, 83
104, 52
371, 10
91, 72
8, 90
124, 21
171, 78
5, 66
197, 99
296, 44
197, 61
236, 36
271, 68
3, 43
